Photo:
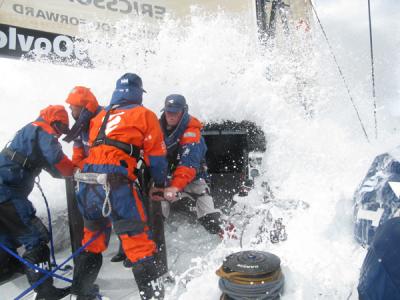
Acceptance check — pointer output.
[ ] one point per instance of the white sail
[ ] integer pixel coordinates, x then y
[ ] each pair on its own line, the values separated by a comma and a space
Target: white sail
66, 16
49, 27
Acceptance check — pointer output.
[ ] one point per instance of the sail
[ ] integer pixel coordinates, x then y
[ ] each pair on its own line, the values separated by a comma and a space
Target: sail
65, 16
50, 27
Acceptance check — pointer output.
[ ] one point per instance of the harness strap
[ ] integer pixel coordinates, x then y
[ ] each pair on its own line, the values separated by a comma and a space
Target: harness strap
130, 149
91, 178
102, 139
113, 179
106, 181
19, 158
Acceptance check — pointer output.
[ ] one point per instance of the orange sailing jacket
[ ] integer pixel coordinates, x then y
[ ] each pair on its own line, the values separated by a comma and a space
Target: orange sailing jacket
131, 124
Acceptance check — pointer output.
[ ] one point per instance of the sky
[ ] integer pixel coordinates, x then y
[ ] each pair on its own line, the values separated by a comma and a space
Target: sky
346, 24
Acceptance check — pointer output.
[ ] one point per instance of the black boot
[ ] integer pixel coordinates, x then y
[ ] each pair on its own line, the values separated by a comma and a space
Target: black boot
93, 294
118, 257
212, 222
86, 270
9, 265
127, 263
85, 274
40, 256
149, 281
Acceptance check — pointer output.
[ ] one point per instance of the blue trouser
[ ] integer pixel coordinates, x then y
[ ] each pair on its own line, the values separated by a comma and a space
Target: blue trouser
20, 226
91, 199
380, 272
128, 217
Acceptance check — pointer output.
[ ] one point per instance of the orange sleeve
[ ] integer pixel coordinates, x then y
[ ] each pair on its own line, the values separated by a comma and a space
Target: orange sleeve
182, 177
185, 173
191, 135
78, 155
65, 166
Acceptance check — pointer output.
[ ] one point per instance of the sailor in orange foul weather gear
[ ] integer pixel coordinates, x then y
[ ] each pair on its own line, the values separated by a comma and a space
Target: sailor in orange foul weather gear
34, 147
84, 107
117, 136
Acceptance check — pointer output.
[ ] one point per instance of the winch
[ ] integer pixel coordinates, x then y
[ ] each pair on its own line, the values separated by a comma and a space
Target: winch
249, 275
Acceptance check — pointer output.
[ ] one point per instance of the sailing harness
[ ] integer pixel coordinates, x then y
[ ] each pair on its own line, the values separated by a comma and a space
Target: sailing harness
104, 179
18, 158
97, 178
102, 139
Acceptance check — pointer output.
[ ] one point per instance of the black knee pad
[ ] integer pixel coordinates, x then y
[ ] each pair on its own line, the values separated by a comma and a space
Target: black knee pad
96, 225
128, 226
38, 254
211, 222
186, 205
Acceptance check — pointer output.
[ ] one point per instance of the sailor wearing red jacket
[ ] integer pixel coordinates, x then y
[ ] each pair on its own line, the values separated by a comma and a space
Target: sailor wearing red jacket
84, 107
186, 158
117, 137
34, 147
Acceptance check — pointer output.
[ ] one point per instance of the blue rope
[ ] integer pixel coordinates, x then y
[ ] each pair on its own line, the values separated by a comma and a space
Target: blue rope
32, 266
52, 273
53, 257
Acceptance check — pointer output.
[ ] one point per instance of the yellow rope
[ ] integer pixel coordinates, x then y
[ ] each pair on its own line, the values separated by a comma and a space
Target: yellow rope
240, 278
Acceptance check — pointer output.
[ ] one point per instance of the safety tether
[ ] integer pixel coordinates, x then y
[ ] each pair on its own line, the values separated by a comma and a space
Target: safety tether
53, 257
